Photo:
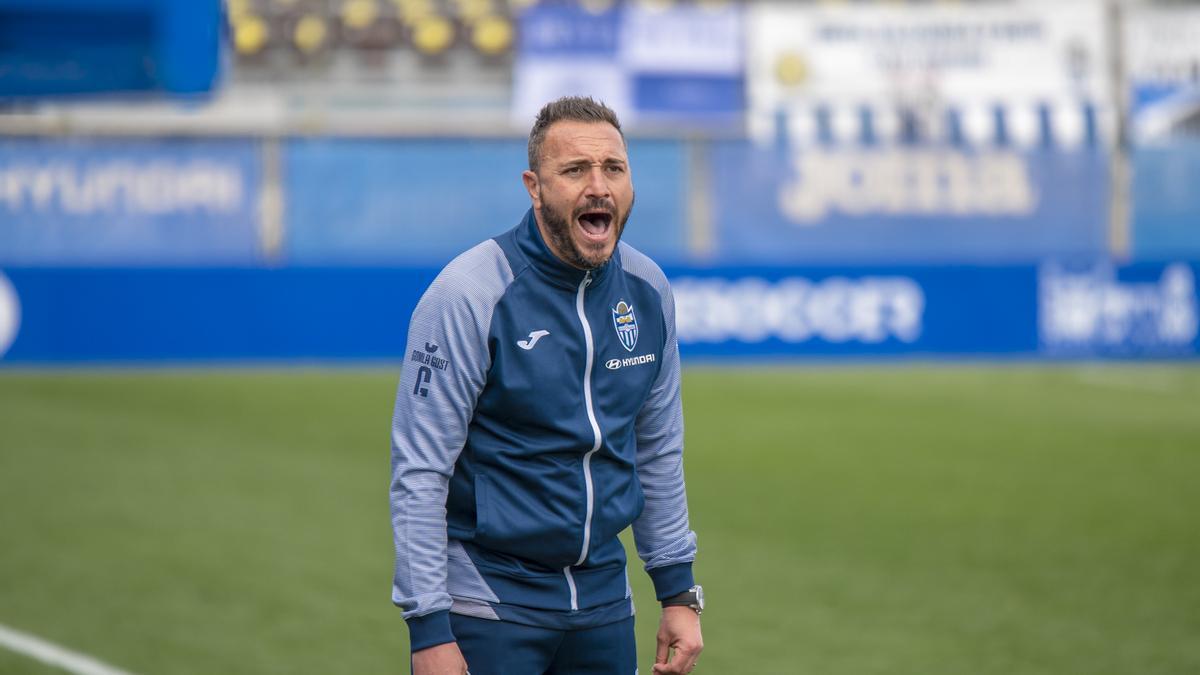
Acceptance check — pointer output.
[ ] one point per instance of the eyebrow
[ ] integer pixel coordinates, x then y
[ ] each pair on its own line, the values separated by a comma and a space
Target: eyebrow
587, 162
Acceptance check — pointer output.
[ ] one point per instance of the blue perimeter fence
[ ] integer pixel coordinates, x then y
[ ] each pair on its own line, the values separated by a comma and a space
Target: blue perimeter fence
148, 315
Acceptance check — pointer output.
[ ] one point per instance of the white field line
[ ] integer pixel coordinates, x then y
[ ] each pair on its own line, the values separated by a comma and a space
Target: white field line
50, 653
1155, 382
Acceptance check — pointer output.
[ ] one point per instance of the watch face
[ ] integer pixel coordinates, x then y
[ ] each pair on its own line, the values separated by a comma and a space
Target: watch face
699, 591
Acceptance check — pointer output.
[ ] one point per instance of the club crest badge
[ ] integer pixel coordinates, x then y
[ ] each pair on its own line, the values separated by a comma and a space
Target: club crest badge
626, 324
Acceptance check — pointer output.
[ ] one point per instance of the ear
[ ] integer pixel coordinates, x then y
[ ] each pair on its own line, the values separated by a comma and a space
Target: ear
531, 186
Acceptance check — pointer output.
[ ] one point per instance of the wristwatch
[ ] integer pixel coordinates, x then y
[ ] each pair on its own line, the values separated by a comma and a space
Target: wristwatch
692, 597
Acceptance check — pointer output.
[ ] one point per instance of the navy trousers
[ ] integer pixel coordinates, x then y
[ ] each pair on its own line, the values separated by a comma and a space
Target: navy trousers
504, 648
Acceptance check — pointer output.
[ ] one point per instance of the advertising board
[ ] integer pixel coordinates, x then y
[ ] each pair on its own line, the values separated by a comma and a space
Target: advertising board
128, 201
1052, 310
666, 63
1162, 49
1099, 309
10, 314
911, 204
877, 311
994, 64
179, 315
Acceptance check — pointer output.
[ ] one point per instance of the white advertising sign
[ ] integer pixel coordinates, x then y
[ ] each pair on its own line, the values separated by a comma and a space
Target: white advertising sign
682, 39
925, 57
1162, 67
1092, 308
795, 309
10, 314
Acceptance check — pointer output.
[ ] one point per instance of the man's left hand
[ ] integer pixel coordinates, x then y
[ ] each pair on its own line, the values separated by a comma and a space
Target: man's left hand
679, 630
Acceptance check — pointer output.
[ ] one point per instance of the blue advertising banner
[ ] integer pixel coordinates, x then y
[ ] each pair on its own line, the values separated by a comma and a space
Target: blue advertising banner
906, 204
668, 64
123, 202
1028, 311
1100, 309
562, 30
1094, 310
176, 315
421, 202
684, 62
782, 312
1166, 201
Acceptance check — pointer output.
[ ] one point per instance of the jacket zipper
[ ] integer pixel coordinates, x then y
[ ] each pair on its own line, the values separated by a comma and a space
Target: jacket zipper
587, 458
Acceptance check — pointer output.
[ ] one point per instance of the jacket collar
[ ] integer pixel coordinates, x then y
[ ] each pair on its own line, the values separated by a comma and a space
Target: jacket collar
534, 248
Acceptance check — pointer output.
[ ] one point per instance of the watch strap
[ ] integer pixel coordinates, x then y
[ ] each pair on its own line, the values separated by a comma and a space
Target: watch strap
685, 599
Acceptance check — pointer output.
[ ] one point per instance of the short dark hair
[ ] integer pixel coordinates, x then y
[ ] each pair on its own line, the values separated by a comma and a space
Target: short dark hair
576, 108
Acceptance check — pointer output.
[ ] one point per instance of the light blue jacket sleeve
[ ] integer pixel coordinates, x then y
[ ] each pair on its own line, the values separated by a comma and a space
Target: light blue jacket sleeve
445, 368
663, 537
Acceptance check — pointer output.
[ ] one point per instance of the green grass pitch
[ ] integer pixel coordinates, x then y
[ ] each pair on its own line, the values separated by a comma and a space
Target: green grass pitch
898, 520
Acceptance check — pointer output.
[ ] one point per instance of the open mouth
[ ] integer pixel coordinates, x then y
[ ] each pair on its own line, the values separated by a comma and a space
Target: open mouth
595, 223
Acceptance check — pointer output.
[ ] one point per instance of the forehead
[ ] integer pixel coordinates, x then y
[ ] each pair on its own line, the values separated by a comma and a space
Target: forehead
571, 139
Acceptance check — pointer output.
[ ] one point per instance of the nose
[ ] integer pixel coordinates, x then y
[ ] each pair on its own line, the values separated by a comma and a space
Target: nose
597, 186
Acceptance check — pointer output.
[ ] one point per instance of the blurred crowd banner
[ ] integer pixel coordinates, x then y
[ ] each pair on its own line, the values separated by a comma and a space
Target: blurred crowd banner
1162, 71
1051, 310
423, 201
666, 63
128, 201
907, 203
1023, 72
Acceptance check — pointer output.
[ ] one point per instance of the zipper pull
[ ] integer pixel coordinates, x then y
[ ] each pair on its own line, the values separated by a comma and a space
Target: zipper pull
587, 278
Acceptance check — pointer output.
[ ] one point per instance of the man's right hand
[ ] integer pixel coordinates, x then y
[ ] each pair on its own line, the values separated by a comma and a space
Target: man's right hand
443, 659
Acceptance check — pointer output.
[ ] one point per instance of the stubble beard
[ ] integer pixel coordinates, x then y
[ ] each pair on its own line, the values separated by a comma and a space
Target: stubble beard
558, 230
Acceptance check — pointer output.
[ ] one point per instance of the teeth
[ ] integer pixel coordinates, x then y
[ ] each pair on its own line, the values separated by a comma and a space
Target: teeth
594, 223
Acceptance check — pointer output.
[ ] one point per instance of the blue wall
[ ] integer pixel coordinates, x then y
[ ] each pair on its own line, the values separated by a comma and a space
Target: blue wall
421, 201
1166, 200
424, 201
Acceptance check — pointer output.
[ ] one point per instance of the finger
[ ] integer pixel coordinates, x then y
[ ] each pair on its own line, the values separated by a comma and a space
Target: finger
663, 651
672, 668
678, 665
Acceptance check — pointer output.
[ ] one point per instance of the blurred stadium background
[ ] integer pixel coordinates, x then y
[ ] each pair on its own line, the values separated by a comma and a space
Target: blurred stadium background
935, 266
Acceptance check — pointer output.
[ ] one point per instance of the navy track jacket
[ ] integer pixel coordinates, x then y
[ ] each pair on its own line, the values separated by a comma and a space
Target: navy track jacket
538, 415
